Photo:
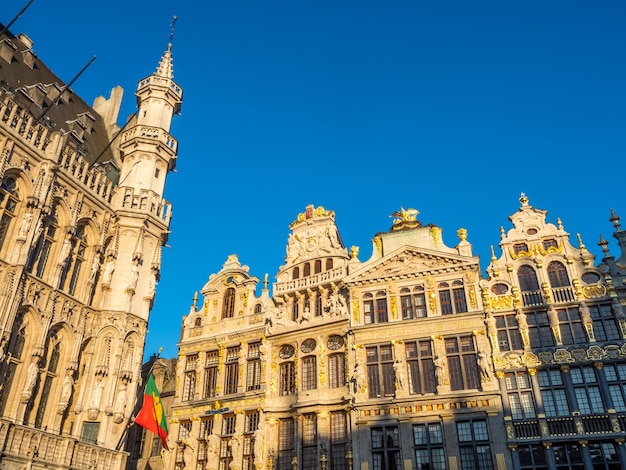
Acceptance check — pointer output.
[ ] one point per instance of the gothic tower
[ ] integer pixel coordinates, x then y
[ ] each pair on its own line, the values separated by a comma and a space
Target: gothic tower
82, 224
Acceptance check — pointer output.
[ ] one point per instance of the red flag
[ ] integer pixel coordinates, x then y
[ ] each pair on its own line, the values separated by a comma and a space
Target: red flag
152, 415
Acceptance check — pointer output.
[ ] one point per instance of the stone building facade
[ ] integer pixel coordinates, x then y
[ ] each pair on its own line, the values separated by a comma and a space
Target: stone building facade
412, 359
82, 225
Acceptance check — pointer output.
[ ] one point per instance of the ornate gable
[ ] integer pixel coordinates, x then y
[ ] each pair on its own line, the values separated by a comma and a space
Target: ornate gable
409, 262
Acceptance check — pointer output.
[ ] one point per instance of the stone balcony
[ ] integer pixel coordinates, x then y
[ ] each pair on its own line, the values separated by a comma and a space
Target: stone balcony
26, 447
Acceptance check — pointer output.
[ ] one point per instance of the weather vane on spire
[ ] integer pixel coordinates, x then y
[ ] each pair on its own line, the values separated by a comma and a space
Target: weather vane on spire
172, 28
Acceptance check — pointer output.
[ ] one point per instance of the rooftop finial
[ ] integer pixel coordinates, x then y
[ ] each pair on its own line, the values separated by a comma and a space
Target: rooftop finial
604, 245
172, 28
523, 199
615, 219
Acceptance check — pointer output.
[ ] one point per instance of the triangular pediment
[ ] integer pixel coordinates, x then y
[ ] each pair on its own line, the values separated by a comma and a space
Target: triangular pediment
410, 262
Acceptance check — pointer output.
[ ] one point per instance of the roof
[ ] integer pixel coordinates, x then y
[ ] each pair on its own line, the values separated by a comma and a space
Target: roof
26, 80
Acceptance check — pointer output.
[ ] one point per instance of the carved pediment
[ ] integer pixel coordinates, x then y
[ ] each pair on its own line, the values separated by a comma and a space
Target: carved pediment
412, 263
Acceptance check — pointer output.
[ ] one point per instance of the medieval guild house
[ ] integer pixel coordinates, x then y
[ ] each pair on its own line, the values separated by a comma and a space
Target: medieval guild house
412, 359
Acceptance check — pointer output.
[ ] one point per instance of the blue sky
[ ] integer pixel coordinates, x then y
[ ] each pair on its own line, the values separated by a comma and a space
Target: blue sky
453, 108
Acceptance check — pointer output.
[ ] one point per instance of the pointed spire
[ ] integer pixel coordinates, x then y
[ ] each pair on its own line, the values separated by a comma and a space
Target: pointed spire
166, 66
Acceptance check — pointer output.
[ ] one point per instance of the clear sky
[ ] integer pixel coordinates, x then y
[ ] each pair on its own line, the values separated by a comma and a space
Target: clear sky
452, 108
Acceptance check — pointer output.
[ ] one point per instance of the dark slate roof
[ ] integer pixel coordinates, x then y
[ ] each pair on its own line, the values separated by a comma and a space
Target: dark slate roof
34, 87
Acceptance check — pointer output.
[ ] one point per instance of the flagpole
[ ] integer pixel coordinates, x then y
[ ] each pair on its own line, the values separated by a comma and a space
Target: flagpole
131, 420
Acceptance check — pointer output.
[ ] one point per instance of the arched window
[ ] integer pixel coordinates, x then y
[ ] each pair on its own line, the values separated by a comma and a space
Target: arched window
557, 274
307, 269
296, 273
527, 278
228, 307
9, 197
318, 266
50, 374
198, 322
452, 300
77, 258
258, 308
41, 253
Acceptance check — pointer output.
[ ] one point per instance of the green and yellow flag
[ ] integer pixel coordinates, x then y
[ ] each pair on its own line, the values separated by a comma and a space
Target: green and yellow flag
152, 416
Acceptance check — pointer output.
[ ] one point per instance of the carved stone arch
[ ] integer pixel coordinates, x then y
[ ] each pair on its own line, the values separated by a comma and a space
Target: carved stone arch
56, 356
31, 321
63, 212
23, 180
107, 343
15, 189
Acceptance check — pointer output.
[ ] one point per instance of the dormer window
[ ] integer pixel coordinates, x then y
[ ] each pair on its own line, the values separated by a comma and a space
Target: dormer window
519, 247
550, 243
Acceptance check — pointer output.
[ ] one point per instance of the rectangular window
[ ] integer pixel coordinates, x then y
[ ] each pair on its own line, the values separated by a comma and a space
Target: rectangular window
428, 443
520, 395
572, 331
338, 440
184, 430
509, 337
532, 457
445, 302
586, 390
569, 456
460, 304
380, 375
616, 377
231, 378
206, 427
385, 448
419, 356
253, 373
336, 370
462, 366
539, 330
419, 304
189, 386
309, 441
474, 444
604, 455
228, 424
381, 310
285, 444
309, 373
553, 393
210, 374
604, 324
251, 424
287, 378
368, 311
90, 432
406, 303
